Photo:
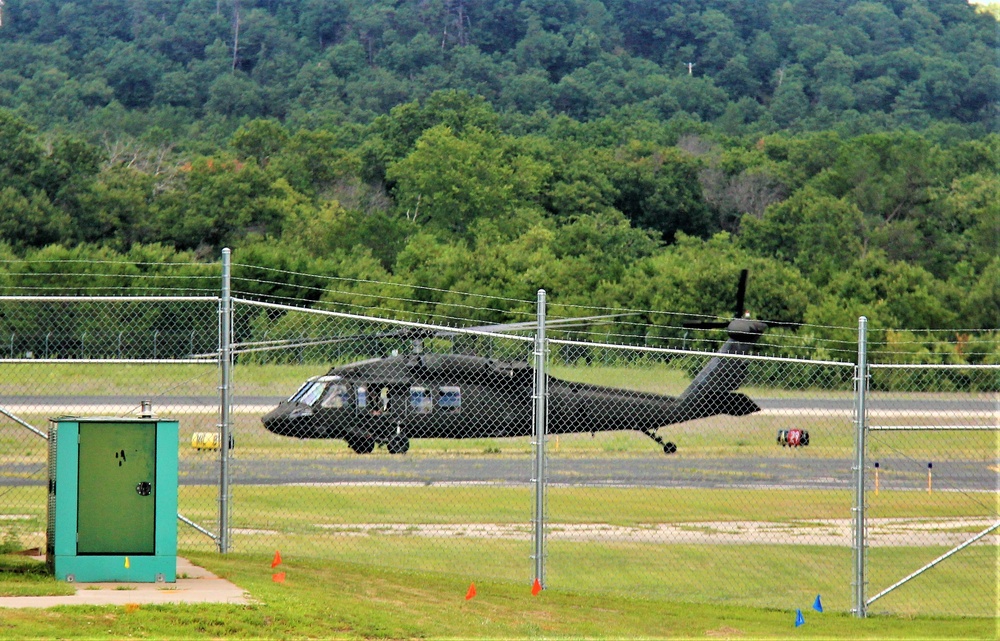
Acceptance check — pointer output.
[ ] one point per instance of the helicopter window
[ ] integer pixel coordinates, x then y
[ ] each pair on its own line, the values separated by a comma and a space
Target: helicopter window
362, 396
450, 399
338, 397
420, 400
298, 393
311, 395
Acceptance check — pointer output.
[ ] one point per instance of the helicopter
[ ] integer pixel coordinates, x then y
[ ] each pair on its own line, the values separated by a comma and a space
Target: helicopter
390, 400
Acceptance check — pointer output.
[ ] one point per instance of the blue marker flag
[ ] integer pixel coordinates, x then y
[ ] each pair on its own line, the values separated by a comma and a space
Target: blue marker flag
799, 619
818, 606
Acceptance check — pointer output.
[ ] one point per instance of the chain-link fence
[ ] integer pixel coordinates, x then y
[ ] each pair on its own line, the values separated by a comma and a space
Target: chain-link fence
687, 475
325, 473
753, 508
94, 356
932, 489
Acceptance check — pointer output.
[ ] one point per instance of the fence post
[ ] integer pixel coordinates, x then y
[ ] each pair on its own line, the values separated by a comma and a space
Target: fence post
861, 426
225, 356
541, 426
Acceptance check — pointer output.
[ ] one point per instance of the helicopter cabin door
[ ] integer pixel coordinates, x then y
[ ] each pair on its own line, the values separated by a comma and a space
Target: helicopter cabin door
388, 401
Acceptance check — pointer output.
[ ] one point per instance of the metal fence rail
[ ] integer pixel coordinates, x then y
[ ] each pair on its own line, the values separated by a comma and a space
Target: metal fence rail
685, 475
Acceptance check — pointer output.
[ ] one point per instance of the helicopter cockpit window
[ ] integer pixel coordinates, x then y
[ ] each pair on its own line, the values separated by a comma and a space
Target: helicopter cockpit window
450, 399
420, 400
362, 397
299, 392
311, 395
338, 397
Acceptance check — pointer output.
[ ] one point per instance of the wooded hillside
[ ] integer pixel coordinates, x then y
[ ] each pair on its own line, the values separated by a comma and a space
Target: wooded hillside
622, 154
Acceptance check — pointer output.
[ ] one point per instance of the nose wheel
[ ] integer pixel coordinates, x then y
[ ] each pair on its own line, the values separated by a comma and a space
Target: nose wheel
668, 447
398, 444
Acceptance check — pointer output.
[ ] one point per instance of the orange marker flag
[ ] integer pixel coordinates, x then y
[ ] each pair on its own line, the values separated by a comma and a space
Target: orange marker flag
472, 591
278, 578
277, 559
536, 587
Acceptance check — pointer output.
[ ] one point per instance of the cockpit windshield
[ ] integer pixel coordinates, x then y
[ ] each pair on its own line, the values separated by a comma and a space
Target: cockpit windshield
338, 398
299, 392
310, 393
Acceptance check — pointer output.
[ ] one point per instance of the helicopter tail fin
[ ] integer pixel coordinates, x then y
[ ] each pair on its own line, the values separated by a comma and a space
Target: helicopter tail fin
737, 404
712, 391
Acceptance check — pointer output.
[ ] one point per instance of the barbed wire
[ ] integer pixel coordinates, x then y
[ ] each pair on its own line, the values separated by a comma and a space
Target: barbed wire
808, 336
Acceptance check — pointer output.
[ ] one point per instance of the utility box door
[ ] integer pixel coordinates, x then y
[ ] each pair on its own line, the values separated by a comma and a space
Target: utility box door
117, 488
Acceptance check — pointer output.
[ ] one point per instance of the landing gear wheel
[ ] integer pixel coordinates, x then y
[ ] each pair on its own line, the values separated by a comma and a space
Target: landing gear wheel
362, 444
668, 447
398, 445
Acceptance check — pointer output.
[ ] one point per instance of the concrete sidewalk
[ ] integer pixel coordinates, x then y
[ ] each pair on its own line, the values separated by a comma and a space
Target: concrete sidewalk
199, 586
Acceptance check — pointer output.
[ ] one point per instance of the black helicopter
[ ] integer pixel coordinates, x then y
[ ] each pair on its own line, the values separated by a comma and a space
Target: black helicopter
388, 401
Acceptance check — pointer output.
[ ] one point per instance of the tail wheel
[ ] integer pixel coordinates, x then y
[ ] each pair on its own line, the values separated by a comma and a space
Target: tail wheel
668, 447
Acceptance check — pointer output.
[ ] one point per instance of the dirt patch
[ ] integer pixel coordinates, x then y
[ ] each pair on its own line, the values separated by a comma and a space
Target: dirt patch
837, 532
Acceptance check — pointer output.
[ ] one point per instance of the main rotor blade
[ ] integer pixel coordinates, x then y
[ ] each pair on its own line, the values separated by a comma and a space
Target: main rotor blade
555, 323
706, 324
785, 324
405, 333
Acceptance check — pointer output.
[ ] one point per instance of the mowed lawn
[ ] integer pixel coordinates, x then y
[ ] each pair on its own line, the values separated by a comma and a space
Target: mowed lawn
336, 600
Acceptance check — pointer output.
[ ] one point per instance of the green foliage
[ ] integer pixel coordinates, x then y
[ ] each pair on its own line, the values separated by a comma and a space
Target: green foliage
816, 233
659, 189
902, 64
586, 147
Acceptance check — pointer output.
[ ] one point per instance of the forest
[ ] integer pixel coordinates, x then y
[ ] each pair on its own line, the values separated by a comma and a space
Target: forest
621, 154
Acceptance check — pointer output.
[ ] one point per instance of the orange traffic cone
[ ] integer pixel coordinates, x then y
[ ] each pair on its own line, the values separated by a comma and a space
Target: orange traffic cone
277, 559
472, 591
536, 587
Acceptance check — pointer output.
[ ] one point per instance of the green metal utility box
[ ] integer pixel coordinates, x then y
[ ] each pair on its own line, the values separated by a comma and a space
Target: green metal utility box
112, 510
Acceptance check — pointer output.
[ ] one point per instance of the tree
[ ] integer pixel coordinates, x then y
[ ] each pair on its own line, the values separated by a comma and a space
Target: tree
814, 232
235, 95
259, 139
980, 309
659, 189
31, 220
20, 155
894, 294
392, 137
790, 104
696, 276
117, 207
217, 201
133, 74
448, 181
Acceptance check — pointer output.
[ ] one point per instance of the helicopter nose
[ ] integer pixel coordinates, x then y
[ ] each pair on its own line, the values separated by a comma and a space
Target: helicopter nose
276, 421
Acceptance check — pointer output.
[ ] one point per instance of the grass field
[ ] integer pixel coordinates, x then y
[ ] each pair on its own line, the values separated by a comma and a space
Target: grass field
331, 526
339, 600
413, 528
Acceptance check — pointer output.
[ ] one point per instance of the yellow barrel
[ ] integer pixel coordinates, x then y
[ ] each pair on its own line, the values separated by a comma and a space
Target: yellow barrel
205, 440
